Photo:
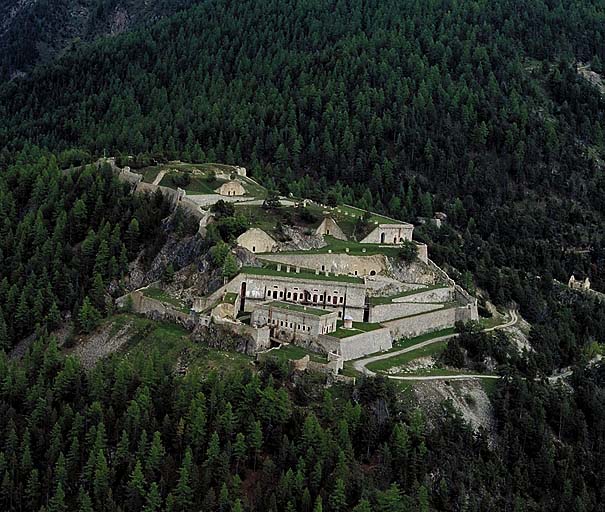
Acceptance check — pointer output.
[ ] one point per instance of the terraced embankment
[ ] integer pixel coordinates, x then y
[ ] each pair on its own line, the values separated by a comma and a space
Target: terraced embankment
361, 364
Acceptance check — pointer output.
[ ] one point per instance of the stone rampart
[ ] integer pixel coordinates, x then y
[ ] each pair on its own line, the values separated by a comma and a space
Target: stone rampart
261, 339
422, 323
334, 263
158, 310
434, 295
128, 176
384, 312
358, 345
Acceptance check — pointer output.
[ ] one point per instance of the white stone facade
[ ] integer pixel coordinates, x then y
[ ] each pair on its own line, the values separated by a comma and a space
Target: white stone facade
390, 234
293, 321
329, 227
256, 241
231, 188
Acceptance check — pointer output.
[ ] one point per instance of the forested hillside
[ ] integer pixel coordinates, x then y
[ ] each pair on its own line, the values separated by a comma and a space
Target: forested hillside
65, 237
130, 435
404, 107
36, 31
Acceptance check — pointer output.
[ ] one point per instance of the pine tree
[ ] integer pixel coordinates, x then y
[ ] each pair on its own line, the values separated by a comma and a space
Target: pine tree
183, 494
57, 502
88, 317
136, 488
4, 340
153, 501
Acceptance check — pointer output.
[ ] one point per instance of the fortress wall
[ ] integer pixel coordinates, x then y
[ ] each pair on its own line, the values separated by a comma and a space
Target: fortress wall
423, 252
128, 176
260, 336
428, 322
172, 195
158, 310
358, 345
386, 312
341, 263
436, 295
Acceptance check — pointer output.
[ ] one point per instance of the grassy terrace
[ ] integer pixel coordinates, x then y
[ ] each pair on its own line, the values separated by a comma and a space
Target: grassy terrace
299, 309
409, 293
230, 297
149, 339
292, 352
358, 328
198, 184
304, 274
346, 216
355, 248
162, 296
402, 359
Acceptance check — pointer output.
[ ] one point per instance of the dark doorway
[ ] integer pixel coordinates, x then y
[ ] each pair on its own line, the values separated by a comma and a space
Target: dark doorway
366, 310
242, 297
382, 235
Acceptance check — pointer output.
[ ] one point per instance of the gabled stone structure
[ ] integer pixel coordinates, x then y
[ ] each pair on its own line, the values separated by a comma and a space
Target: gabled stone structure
390, 234
231, 188
579, 284
329, 227
256, 241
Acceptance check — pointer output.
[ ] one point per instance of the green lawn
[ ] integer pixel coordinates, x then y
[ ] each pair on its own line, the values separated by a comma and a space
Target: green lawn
230, 297
299, 308
409, 293
162, 296
271, 270
198, 184
293, 352
410, 342
402, 359
358, 328
173, 343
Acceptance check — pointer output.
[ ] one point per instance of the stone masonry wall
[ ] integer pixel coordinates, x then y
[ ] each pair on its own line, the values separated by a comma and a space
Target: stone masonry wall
341, 263
385, 312
436, 295
158, 310
359, 345
435, 320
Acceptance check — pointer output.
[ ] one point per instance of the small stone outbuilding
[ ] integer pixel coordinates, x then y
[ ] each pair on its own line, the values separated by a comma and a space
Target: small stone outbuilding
391, 234
331, 228
231, 188
256, 240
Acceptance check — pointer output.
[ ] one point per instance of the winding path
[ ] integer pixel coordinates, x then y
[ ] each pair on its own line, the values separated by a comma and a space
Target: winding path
361, 364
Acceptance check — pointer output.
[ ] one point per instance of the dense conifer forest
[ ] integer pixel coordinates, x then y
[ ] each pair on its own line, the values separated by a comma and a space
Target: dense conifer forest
404, 107
65, 237
473, 108
130, 435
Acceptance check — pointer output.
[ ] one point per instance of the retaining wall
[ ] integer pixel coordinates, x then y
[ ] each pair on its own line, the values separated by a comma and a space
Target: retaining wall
158, 310
435, 295
384, 312
334, 263
358, 345
409, 327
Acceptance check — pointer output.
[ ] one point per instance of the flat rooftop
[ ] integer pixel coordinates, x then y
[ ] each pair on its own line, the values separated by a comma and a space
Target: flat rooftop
298, 308
303, 274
